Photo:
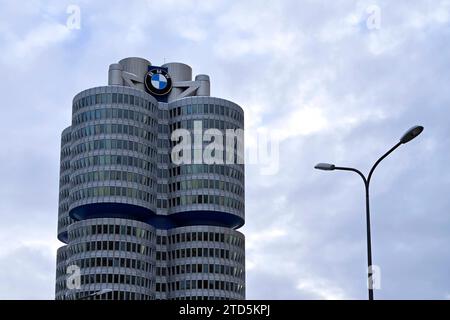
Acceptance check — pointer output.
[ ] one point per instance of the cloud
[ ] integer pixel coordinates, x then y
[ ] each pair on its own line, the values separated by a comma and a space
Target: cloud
38, 39
27, 273
314, 75
319, 289
258, 33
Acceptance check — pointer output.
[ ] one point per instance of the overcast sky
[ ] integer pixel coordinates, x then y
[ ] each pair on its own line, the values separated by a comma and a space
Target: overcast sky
335, 81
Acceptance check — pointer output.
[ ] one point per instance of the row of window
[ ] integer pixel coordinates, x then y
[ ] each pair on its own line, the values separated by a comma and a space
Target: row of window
161, 271
202, 268
113, 113
106, 160
66, 138
214, 154
113, 144
64, 207
112, 192
162, 204
163, 128
112, 175
206, 199
65, 221
162, 187
163, 114
205, 253
112, 246
65, 151
65, 165
163, 174
64, 193
61, 271
145, 196
173, 239
115, 263
205, 284
104, 278
61, 256
163, 158
206, 109
225, 170
145, 250
113, 98
114, 128
196, 184
202, 236
189, 297
114, 295
111, 229
206, 124
64, 179
163, 143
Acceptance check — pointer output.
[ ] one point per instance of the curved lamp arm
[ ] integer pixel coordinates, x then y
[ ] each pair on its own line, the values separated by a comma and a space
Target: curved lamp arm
367, 181
381, 159
354, 170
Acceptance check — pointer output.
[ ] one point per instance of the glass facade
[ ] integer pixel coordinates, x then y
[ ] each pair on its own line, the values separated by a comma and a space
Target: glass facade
113, 149
114, 254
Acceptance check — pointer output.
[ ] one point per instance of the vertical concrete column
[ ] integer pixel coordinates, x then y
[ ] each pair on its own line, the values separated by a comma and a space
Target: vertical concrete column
115, 75
205, 86
137, 67
178, 72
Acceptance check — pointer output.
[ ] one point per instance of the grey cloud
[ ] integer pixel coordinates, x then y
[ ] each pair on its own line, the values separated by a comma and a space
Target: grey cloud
369, 85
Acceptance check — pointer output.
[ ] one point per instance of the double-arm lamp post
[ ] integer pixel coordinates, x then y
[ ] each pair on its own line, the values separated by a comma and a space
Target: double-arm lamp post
408, 136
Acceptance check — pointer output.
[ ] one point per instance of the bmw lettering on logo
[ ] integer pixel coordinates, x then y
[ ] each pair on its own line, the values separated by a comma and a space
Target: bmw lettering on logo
158, 82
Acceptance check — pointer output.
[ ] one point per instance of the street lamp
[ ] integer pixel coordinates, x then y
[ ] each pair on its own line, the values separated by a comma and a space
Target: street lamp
98, 293
408, 136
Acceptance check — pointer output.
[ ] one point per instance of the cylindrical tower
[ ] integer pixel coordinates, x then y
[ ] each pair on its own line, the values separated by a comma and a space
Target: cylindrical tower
210, 189
114, 136
114, 254
206, 263
206, 256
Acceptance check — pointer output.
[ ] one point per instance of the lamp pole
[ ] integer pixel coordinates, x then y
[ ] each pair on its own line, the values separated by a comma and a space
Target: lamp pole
408, 136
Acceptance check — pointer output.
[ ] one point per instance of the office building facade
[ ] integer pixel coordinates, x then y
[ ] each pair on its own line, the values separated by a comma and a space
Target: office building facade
134, 223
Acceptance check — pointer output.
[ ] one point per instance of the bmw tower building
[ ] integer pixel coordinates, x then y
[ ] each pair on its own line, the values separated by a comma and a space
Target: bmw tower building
135, 224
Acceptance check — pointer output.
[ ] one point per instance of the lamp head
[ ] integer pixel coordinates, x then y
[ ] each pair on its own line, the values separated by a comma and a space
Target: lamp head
325, 166
411, 134
103, 291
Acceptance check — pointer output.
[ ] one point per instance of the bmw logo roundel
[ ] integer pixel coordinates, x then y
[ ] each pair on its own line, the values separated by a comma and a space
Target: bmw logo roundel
158, 82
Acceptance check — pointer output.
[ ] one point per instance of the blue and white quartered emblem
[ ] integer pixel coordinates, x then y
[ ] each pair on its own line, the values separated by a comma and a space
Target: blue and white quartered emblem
157, 81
